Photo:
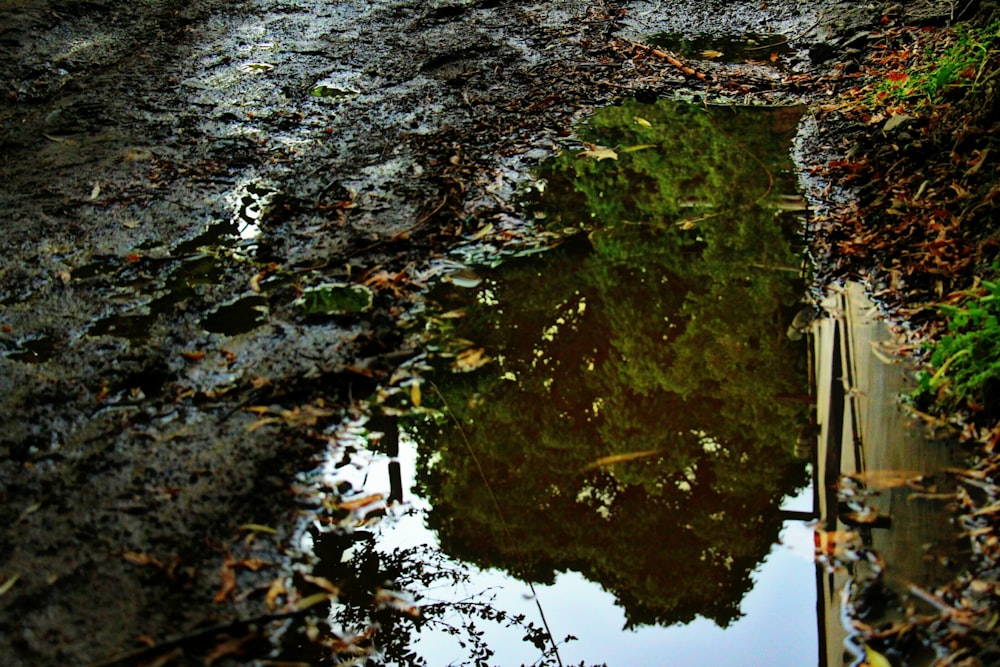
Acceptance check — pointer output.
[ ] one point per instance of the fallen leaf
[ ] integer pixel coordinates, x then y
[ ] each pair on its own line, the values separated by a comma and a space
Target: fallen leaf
470, 360
28, 511
484, 232
141, 558
605, 461
323, 583
258, 528
883, 480
313, 600
165, 658
228, 576
193, 356
642, 121
259, 382
358, 503
254, 564
415, 394
875, 659
274, 591
9, 584
256, 67
639, 147
233, 646
386, 599
599, 153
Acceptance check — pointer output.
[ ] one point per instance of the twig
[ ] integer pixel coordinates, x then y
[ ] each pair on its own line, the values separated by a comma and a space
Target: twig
689, 71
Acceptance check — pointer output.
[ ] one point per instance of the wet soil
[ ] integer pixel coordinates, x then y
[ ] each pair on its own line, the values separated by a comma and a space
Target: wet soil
175, 175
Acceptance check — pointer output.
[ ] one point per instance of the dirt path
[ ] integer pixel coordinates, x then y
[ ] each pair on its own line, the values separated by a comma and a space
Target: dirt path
174, 176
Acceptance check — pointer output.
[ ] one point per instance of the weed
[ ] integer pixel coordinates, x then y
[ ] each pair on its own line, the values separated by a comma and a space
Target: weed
960, 62
967, 357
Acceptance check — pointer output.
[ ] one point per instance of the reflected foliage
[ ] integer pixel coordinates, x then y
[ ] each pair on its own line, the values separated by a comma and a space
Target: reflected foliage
377, 620
659, 327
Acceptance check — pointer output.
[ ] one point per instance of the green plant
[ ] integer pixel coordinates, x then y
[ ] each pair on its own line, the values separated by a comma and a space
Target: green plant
960, 63
967, 357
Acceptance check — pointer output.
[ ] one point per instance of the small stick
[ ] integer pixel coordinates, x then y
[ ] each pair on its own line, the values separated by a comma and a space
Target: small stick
689, 71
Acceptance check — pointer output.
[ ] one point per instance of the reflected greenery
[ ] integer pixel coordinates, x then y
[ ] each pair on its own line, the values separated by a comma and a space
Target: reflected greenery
658, 329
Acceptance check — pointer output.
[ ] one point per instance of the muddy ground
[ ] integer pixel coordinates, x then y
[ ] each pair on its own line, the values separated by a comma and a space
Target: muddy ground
175, 174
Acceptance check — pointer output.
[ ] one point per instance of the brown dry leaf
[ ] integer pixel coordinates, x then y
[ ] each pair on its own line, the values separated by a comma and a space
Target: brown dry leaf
193, 356
255, 281
358, 503
470, 360
141, 558
386, 599
264, 421
228, 576
989, 509
258, 528
864, 517
415, 394
165, 658
254, 564
233, 646
276, 589
883, 480
834, 541
323, 583
313, 600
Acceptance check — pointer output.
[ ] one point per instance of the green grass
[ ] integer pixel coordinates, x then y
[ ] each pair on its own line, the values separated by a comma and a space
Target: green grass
967, 358
960, 64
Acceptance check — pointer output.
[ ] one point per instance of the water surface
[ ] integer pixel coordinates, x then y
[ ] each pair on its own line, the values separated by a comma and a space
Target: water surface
616, 419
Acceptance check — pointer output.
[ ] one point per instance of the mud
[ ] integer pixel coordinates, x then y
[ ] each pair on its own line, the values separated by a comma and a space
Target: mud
176, 174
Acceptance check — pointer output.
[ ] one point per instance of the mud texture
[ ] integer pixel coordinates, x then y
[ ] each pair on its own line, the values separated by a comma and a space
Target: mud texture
174, 174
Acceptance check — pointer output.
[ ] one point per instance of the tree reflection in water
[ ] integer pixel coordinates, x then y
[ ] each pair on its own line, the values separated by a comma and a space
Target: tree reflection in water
660, 327
657, 328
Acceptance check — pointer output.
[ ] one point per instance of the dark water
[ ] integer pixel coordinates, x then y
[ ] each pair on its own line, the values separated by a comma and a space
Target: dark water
613, 421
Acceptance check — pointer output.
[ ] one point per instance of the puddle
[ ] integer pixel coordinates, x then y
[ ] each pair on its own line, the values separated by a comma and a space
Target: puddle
241, 316
192, 266
750, 47
616, 419
35, 350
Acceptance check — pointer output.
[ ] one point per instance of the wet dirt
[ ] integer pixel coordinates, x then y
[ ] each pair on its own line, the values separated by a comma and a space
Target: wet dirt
176, 175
